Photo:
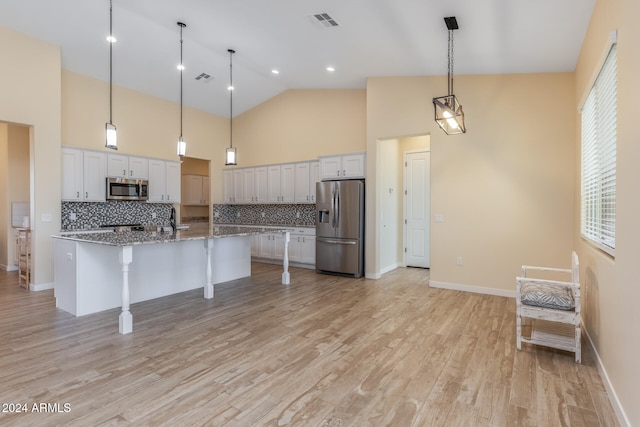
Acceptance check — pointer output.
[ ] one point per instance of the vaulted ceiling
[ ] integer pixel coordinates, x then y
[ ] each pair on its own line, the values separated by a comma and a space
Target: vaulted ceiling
367, 38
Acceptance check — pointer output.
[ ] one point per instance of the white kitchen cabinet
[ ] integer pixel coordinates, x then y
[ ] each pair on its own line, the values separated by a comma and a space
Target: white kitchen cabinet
280, 182
301, 183
261, 187
302, 247
346, 166
195, 190
83, 175
255, 184
233, 185
314, 177
306, 176
164, 181
123, 166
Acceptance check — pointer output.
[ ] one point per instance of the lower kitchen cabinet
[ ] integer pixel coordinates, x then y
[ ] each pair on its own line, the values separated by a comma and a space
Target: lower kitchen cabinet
302, 247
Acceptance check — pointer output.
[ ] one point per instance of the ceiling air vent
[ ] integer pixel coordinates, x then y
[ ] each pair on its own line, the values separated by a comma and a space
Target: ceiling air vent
204, 77
324, 20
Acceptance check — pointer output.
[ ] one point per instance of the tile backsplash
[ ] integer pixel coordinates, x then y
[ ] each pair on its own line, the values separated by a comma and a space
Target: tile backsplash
265, 214
93, 215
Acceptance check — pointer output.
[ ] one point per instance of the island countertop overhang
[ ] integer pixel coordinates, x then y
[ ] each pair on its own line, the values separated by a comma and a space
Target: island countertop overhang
131, 238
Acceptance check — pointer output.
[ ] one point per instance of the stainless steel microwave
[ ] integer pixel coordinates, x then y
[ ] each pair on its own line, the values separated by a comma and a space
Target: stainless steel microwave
127, 189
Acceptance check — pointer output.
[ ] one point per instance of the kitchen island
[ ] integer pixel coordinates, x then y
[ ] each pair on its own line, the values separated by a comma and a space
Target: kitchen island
87, 278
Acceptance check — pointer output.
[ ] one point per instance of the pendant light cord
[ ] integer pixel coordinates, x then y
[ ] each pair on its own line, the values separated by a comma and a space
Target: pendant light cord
450, 67
231, 52
181, 69
111, 62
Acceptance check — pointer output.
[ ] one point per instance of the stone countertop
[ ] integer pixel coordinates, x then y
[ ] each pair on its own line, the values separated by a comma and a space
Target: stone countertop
287, 225
131, 238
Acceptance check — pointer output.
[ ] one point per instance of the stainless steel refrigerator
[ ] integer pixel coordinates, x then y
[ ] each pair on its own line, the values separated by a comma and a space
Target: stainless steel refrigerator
340, 227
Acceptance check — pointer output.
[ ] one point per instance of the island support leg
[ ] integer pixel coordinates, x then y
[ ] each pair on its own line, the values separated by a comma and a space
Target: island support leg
126, 319
208, 287
286, 278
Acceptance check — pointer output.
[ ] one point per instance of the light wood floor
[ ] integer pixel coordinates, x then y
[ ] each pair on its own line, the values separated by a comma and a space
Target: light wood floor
324, 351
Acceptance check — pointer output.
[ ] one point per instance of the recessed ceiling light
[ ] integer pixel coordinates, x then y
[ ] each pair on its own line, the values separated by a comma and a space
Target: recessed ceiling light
274, 71
330, 69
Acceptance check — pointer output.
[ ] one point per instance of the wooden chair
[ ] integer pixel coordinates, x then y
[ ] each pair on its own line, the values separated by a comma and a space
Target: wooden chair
548, 311
24, 257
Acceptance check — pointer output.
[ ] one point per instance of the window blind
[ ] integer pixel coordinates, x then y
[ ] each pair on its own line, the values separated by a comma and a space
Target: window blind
598, 219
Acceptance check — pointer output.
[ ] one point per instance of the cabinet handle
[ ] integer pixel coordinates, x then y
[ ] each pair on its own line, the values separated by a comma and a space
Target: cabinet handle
168, 196
338, 172
78, 194
86, 194
124, 172
344, 172
130, 173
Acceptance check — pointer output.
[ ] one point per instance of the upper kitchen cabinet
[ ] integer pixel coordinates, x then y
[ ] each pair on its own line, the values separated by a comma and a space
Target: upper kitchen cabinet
164, 181
123, 166
348, 166
83, 175
255, 184
233, 185
195, 190
306, 176
280, 182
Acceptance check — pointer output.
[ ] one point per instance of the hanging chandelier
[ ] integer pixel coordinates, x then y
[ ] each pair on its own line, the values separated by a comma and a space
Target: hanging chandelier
231, 155
110, 128
182, 146
448, 111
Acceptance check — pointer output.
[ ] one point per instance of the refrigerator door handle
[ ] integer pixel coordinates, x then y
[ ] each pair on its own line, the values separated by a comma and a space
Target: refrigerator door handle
338, 242
333, 206
337, 209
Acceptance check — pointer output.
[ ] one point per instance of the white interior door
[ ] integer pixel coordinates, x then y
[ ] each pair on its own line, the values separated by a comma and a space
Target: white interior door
416, 210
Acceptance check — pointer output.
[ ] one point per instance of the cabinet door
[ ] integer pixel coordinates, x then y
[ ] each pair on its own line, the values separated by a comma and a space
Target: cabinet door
273, 183
301, 183
261, 187
228, 187
330, 167
138, 168
206, 190
249, 181
287, 183
314, 176
157, 181
266, 246
191, 189
72, 174
308, 250
295, 248
238, 186
353, 166
94, 179
172, 173
117, 166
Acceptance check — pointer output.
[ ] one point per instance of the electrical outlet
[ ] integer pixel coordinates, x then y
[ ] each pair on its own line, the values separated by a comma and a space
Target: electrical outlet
153, 215
297, 214
72, 216
263, 214
459, 261
216, 214
46, 217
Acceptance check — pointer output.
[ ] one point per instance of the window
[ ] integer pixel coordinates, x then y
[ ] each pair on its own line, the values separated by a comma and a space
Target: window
598, 222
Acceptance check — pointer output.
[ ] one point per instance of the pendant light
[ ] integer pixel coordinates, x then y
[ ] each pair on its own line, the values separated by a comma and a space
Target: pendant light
448, 111
110, 128
231, 157
182, 146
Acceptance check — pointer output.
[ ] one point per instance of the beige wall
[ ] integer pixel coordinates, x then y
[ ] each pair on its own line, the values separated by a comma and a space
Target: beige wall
611, 284
301, 125
30, 90
505, 188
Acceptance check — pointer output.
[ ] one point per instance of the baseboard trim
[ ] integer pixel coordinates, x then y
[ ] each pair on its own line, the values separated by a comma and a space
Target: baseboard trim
613, 396
9, 267
388, 269
40, 286
472, 289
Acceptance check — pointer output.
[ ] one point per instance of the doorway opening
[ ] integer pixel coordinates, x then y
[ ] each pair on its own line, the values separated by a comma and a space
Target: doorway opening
404, 202
15, 191
195, 192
